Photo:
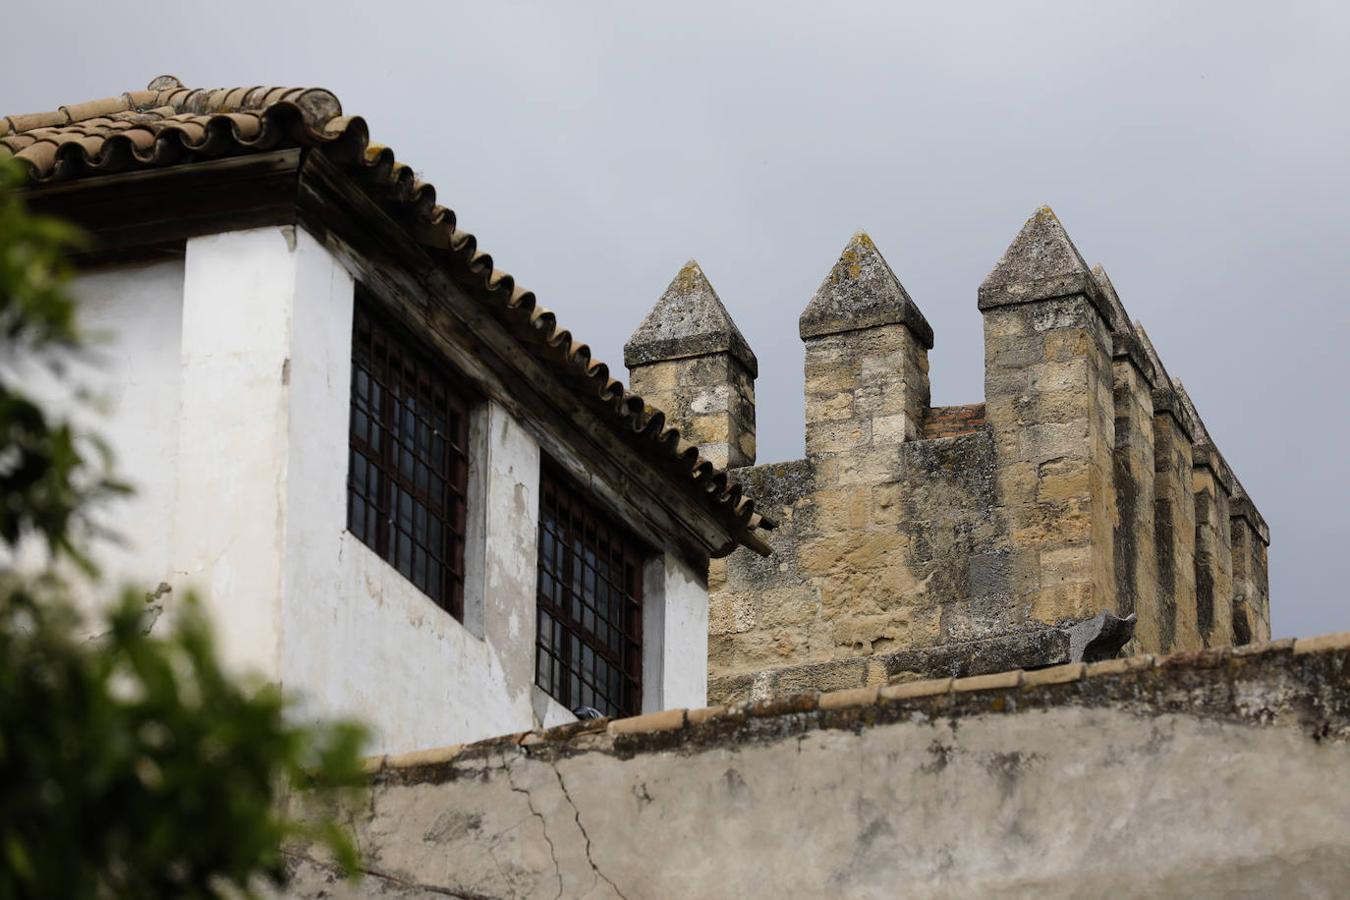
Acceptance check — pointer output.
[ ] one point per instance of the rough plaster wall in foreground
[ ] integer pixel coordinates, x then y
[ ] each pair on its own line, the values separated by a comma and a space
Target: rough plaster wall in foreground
1206, 777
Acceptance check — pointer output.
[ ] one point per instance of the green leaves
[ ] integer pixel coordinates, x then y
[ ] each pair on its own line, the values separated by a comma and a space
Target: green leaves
34, 307
49, 472
131, 764
135, 765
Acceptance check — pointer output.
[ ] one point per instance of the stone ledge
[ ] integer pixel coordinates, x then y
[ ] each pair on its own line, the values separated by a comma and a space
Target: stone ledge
1126, 346
1165, 400
1308, 681
1241, 507
965, 659
1324, 643
1207, 456
666, 720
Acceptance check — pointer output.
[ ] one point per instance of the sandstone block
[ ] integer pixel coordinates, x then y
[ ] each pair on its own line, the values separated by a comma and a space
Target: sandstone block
843, 509
830, 407
837, 437
730, 613
711, 399
894, 429
1061, 602
887, 506
850, 554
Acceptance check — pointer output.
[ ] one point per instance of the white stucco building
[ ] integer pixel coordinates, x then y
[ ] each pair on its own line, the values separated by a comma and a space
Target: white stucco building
402, 490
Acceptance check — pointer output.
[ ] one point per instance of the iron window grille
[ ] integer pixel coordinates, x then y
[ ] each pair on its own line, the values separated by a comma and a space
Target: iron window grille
589, 646
408, 470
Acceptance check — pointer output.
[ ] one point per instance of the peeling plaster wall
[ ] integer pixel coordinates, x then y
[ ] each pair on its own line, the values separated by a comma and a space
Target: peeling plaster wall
362, 640
1202, 777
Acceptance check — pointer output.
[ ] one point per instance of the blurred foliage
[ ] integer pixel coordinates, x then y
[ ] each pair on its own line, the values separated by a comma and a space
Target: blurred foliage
131, 764
50, 475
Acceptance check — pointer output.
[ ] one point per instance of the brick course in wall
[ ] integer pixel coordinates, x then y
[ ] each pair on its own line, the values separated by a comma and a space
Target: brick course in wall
951, 421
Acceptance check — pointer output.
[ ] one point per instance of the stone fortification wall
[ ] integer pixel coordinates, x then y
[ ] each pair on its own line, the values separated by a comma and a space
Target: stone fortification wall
917, 541
1214, 774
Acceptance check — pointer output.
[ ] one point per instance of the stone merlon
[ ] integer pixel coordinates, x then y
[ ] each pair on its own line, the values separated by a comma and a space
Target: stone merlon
861, 291
689, 320
690, 360
1040, 264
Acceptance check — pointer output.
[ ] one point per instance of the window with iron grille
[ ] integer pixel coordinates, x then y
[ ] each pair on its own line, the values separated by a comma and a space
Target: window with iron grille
408, 471
589, 650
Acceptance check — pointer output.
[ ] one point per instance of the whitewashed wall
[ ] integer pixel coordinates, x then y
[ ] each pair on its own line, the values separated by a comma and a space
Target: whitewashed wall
232, 384
133, 318
123, 385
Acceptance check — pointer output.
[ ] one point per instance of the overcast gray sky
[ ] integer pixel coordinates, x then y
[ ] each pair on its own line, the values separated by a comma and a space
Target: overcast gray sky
1200, 150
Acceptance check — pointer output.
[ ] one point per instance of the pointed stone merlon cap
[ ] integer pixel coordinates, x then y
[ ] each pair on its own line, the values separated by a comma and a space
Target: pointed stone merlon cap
1240, 506
1204, 454
689, 320
1041, 264
1165, 397
861, 291
1126, 344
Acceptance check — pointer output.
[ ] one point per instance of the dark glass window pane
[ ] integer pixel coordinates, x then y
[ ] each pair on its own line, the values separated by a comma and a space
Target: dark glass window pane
404, 463
589, 649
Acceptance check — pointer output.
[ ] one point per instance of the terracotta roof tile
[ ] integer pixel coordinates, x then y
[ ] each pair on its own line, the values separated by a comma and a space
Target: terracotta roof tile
169, 124
140, 98
40, 155
78, 112
36, 120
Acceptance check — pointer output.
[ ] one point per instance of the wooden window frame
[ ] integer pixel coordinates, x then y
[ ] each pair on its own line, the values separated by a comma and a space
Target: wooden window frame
589, 602
408, 456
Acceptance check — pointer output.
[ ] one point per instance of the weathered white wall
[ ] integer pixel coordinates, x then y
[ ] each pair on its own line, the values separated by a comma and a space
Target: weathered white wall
134, 317
228, 378
238, 303
131, 317
262, 512
359, 638
675, 635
